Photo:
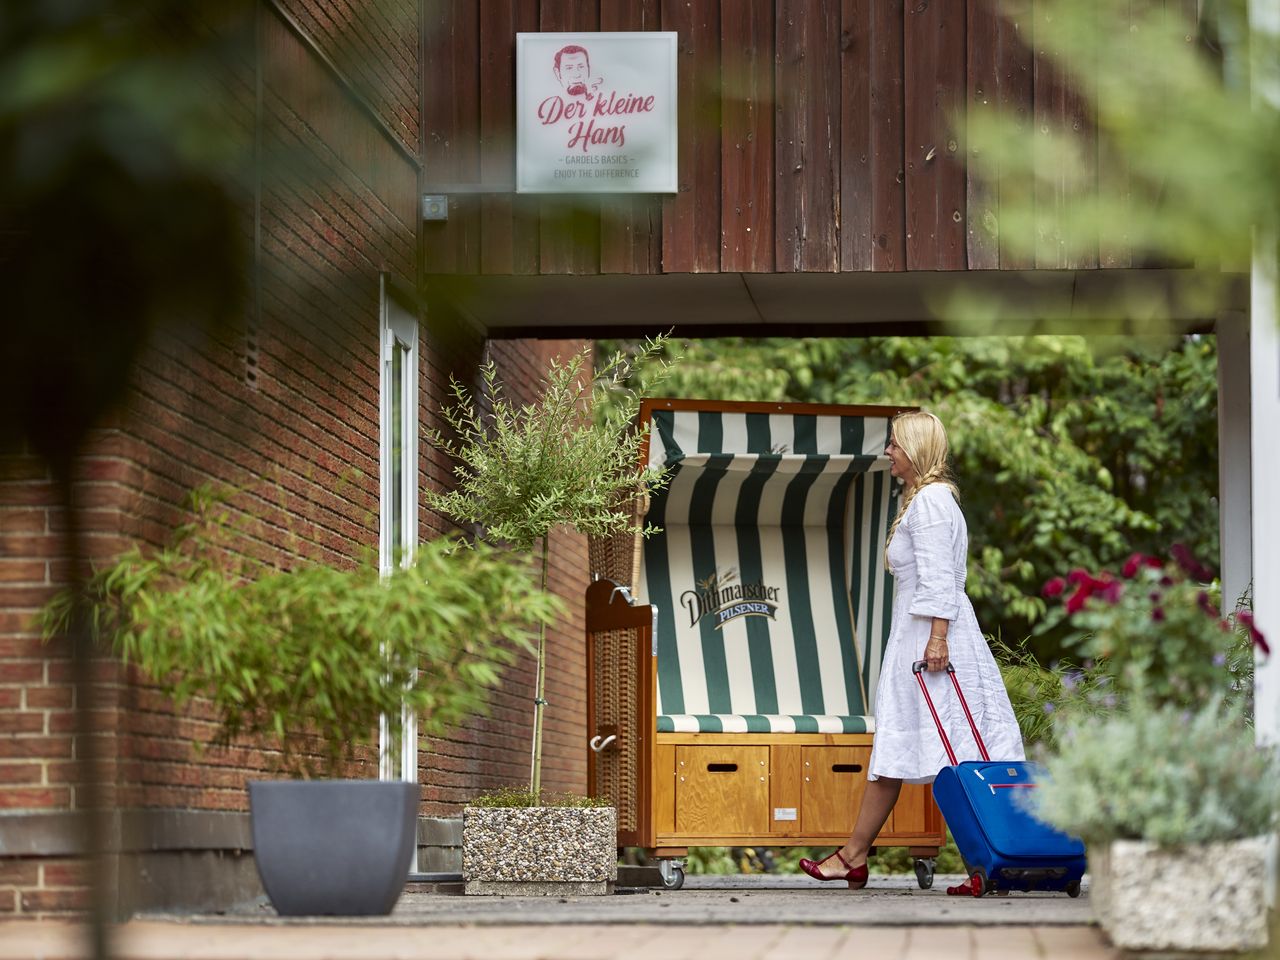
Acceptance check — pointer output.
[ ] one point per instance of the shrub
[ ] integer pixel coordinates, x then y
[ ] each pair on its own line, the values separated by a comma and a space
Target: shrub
316, 652
1160, 773
508, 797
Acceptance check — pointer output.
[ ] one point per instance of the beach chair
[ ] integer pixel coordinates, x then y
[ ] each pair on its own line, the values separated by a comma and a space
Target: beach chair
732, 657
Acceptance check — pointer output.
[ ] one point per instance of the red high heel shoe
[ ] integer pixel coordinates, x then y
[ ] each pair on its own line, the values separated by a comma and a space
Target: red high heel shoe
857, 876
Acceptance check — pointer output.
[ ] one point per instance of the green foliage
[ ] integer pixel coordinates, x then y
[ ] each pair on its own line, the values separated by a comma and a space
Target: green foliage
108, 119
786, 860
572, 457
1171, 118
1064, 447
1039, 694
314, 652
522, 470
518, 797
1162, 774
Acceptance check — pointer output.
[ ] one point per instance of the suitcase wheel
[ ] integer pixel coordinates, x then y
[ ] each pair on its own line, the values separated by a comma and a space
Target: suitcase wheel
978, 882
1073, 889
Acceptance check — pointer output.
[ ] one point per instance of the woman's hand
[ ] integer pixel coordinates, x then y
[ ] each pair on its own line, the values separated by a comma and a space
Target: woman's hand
935, 651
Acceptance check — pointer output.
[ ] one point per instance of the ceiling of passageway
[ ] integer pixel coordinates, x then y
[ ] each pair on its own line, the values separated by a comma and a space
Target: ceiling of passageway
833, 304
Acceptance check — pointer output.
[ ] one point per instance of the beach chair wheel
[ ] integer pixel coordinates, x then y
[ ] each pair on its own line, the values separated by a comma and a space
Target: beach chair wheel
672, 875
924, 872
1073, 889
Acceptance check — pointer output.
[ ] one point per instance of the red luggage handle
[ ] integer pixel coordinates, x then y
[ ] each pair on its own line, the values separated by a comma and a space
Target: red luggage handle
918, 669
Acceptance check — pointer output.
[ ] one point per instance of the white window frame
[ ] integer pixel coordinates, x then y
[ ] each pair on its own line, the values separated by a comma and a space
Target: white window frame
398, 330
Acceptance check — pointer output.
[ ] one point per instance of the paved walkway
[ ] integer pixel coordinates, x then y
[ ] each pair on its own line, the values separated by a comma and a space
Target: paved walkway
713, 918
165, 940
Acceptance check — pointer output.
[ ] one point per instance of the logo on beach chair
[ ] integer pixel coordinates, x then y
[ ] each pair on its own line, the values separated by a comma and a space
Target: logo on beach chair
722, 600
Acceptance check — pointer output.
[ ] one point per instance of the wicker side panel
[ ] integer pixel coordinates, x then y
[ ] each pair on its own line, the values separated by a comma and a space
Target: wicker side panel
617, 707
617, 557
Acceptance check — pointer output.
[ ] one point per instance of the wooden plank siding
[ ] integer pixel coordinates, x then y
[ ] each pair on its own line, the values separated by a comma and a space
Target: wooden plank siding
630, 224
815, 136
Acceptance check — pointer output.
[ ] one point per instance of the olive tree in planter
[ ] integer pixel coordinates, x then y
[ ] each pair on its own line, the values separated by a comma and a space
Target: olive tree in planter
309, 659
522, 471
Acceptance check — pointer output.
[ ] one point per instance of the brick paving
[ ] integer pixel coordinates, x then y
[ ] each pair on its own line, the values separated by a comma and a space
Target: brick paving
186, 940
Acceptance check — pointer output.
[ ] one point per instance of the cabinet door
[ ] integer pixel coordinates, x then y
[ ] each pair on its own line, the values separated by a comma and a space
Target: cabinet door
834, 779
722, 790
911, 812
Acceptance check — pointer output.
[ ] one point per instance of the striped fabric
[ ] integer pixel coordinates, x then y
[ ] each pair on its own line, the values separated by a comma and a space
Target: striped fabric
769, 574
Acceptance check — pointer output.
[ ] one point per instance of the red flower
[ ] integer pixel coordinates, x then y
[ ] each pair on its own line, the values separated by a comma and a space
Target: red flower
1158, 614
1206, 604
1189, 564
1136, 562
1054, 587
1255, 634
1075, 602
1103, 586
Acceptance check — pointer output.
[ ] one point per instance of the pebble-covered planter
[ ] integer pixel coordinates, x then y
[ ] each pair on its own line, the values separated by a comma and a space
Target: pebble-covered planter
1200, 897
552, 851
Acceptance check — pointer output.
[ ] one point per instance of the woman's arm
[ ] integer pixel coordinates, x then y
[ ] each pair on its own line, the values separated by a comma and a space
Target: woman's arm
932, 526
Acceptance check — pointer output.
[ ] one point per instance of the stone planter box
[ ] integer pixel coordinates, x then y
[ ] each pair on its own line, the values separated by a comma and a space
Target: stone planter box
1200, 897
552, 851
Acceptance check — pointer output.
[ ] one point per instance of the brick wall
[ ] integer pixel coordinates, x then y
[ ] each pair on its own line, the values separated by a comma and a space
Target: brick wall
284, 399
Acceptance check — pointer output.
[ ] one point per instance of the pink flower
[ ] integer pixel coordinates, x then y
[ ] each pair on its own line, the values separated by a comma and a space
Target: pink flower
1158, 614
1206, 604
1054, 587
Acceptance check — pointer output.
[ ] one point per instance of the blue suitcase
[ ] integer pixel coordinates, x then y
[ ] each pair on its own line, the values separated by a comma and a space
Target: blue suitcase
1004, 847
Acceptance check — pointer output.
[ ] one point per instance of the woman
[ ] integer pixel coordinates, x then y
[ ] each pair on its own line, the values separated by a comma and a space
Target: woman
932, 621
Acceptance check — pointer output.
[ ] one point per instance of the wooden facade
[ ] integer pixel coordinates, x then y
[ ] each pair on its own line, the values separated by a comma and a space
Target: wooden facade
814, 136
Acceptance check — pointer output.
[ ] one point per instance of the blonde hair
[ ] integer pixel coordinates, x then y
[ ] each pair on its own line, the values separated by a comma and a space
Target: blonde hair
921, 436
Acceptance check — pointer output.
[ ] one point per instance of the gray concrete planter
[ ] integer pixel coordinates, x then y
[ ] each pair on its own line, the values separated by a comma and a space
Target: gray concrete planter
1200, 897
552, 851
333, 847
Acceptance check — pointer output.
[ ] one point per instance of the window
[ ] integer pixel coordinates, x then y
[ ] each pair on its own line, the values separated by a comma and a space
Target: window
398, 513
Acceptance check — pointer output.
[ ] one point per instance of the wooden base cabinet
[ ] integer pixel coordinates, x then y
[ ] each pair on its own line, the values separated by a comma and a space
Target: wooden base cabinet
775, 790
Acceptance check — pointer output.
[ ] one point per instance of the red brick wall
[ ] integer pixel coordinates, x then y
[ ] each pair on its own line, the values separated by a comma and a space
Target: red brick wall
283, 401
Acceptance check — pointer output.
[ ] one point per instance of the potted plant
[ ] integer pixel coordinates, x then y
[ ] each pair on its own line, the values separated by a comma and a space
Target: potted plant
310, 659
521, 472
1168, 788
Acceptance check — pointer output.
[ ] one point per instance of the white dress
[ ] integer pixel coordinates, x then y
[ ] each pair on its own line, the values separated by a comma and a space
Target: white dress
927, 556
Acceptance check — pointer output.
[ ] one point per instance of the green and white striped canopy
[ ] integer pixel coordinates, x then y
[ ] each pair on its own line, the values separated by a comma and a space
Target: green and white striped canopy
768, 575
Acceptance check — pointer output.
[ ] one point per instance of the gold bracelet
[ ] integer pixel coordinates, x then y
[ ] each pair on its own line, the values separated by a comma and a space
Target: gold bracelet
935, 636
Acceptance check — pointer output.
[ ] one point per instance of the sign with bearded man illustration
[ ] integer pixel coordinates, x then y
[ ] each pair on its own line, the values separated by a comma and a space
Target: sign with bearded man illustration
596, 113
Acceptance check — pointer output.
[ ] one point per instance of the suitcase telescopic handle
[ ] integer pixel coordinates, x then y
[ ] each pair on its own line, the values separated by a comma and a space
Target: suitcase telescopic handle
918, 669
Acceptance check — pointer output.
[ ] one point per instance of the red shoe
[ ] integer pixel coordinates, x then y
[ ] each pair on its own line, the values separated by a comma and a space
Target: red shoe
857, 876
973, 887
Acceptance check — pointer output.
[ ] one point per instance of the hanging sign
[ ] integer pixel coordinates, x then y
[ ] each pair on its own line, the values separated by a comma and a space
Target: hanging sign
596, 112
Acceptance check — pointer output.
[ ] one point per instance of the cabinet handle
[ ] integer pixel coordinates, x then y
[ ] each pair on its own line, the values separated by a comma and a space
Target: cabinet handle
846, 768
722, 767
